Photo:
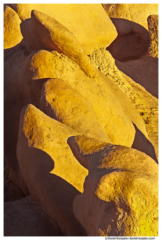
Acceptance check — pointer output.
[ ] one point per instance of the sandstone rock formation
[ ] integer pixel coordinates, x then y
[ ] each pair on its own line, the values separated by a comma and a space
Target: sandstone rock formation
80, 132
97, 91
114, 201
12, 33
44, 32
95, 28
143, 101
137, 13
37, 130
60, 101
27, 89
130, 21
48, 167
145, 70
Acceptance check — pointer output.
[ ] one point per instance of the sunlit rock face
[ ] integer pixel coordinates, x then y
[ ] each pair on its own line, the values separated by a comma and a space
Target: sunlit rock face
122, 187
81, 119
137, 13
12, 34
88, 22
153, 26
138, 79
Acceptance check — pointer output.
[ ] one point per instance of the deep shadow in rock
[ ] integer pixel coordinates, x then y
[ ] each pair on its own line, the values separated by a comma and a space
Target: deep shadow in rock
143, 71
52, 193
132, 41
142, 144
24, 218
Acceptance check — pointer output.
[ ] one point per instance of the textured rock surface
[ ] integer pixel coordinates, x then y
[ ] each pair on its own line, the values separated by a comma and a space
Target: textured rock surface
97, 91
153, 26
60, 101
37, 130
44, 32
143, 101
137, 13
120, 192
143, 71
48, 167
12, 33
95, 28
26, 88
55, 96
24, 218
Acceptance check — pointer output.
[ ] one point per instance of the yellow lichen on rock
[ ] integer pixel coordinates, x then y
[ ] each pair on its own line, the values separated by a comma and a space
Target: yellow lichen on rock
62, 102
37, 130
154, 35
12, 33
137, 13
95, 28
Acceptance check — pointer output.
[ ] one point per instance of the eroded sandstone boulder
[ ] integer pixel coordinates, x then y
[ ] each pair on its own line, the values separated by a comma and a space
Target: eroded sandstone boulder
96, 90
37, 130
144, 102
58, 93
144, 71
120, 195
60, 101
44, 32
49, 169
95, 28
106, 99
12, 33
137, 13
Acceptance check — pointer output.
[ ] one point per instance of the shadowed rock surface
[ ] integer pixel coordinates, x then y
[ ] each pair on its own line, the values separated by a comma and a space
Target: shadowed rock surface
132, 41
24, 218
145, 70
